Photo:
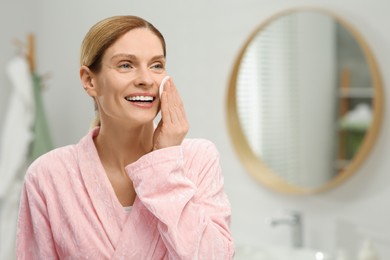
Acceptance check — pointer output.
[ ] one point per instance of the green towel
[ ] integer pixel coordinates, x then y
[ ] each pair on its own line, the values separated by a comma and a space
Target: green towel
42, 141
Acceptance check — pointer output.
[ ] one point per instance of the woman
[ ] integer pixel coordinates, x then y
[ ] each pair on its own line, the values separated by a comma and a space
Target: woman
128, 189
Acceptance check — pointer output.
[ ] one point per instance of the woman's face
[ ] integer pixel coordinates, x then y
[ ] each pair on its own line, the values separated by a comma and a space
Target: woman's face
127, 85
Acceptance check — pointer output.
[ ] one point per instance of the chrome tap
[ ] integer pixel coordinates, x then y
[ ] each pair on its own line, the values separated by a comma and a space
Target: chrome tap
294, 220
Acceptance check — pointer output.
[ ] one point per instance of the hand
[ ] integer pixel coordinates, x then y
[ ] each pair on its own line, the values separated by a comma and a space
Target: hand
173, 126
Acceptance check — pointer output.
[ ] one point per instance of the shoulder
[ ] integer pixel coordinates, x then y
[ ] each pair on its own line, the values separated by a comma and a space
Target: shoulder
61, 160
52, 162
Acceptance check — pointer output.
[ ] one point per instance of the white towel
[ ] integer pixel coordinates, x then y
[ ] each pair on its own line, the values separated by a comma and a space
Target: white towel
17, 127
15, 140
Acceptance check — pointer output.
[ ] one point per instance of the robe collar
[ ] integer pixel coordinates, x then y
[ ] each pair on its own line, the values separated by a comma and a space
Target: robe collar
108, 208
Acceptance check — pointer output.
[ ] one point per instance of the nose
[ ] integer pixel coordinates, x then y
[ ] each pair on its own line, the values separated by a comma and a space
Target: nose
144, 78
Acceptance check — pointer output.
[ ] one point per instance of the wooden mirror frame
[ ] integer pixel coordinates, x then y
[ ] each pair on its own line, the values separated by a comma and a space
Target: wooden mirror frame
254, 164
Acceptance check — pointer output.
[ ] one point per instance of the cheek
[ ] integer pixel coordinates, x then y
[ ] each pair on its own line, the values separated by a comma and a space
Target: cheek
113, 84
109, 91
104, 87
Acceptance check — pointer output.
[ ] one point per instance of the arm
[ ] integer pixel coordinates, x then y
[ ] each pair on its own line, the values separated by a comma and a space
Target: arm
188, 199
33, 238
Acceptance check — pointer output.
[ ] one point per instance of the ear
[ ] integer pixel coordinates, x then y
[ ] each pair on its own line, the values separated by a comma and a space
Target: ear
87, 80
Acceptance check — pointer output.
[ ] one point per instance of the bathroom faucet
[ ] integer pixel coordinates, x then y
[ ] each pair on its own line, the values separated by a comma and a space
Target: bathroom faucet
294, 220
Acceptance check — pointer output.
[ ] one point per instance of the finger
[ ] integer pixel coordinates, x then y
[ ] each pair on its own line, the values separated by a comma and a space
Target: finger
174, 94
165, 111
172, 105
176, 102
176, 116
176, 107
179, 110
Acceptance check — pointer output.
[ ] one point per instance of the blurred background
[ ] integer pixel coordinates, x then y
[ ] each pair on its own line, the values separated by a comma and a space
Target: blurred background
203, 41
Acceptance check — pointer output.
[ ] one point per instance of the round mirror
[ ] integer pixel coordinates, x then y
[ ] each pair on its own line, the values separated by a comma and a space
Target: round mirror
304, 104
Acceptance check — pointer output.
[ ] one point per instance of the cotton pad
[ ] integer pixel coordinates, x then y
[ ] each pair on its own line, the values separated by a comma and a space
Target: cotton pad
162, 85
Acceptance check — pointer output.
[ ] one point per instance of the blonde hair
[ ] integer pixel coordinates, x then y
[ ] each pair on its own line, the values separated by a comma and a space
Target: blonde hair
104, 34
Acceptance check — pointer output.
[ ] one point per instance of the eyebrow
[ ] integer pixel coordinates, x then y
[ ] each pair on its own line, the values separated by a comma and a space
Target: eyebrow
133, 57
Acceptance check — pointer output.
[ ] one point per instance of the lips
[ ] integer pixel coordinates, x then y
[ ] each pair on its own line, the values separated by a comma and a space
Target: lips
140, 98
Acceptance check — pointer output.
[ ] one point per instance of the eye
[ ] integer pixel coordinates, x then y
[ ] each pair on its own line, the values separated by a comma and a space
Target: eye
124, 66
158, 66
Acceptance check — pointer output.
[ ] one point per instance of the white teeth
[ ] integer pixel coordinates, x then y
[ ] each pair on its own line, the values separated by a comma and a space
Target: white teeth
140, 98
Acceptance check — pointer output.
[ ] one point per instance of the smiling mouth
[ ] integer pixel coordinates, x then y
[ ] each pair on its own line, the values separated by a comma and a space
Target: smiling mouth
140, 99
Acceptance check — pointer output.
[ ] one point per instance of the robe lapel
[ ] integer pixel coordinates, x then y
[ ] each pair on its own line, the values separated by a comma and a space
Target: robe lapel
139, 238
108, 209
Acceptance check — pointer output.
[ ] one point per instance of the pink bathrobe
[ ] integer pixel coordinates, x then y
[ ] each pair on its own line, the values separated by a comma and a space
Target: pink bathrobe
69, 209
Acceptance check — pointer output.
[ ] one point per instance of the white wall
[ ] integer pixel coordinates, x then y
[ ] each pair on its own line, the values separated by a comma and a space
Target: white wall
203, 39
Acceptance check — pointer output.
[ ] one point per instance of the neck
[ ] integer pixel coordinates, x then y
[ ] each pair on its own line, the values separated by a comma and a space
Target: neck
118, 146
